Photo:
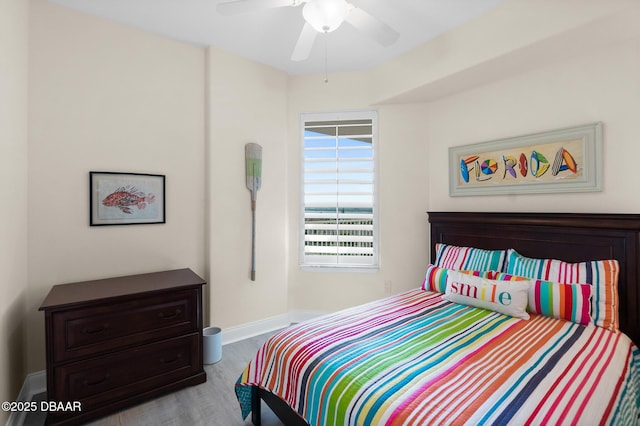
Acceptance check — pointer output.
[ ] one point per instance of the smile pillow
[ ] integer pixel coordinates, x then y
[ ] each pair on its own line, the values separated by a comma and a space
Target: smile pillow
506, 297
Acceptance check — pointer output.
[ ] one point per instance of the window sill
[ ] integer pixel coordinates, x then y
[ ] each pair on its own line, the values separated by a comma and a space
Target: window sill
347, 269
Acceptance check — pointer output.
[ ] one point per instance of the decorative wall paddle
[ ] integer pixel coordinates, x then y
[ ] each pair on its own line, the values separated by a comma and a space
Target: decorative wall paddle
253, 162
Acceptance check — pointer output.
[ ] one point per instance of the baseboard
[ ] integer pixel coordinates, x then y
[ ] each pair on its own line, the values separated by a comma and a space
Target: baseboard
301, 316
34, 384
256, 328
252, 329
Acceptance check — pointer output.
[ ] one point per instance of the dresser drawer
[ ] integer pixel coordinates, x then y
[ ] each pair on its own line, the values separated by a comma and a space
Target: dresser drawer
102, 380
108, 327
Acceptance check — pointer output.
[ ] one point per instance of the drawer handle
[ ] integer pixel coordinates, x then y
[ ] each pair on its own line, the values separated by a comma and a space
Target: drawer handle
96, 382
162, 315
95, 330
171, 361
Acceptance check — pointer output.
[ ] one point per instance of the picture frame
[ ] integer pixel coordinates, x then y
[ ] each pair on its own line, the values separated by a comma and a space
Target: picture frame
117, 198
561, 160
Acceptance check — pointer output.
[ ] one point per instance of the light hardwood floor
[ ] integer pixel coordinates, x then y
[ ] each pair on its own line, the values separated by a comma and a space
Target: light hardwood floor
211, 403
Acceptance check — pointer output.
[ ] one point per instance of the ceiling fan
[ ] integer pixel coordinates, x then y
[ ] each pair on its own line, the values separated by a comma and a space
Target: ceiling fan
321, 16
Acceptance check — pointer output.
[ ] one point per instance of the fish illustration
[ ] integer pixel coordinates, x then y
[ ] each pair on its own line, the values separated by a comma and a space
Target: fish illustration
127, 196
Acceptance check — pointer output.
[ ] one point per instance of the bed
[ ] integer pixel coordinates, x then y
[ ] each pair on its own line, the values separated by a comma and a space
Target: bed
420, 358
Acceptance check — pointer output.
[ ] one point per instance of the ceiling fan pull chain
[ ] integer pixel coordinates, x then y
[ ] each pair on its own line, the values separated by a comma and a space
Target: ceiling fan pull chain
326, 77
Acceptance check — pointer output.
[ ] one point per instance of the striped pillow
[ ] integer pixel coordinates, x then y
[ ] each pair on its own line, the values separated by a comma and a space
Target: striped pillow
571, 302
602, 275
469, 258
436, 278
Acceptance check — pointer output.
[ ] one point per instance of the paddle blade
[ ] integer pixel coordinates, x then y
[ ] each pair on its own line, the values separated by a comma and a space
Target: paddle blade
305, 43
253, 164
372, 27
237, 7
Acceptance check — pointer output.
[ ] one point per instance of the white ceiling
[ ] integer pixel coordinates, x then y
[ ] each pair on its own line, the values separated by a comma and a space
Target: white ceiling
269, 36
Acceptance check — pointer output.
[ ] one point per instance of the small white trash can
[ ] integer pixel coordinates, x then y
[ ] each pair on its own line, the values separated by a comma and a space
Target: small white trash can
212, 345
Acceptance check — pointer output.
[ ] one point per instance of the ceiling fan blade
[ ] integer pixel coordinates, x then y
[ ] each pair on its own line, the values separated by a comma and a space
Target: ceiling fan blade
237, 7
305, 43
373, 27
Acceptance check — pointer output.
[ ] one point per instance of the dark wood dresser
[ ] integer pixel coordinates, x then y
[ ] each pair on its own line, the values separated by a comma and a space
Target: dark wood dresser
115, 342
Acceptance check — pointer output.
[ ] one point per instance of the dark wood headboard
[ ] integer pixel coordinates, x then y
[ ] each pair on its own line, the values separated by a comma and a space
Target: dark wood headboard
572, 237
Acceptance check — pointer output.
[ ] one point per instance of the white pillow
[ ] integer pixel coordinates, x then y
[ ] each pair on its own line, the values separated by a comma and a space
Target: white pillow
505, 297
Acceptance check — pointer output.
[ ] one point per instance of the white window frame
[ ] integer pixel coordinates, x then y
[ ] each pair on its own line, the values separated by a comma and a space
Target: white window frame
340, 116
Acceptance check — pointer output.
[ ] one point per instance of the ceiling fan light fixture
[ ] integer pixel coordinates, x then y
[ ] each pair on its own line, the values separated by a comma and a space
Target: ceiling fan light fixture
325, 15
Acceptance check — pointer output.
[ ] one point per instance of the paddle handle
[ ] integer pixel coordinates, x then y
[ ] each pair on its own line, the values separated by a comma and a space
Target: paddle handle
253, 239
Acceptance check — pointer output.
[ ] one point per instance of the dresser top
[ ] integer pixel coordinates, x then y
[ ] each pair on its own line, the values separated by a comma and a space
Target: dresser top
86, 291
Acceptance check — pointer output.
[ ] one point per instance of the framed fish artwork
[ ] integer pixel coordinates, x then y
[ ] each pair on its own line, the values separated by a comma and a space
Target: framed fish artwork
562, 160
126, 198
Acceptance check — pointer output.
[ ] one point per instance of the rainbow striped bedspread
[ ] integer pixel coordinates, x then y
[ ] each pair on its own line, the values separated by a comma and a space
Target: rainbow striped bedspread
416, 359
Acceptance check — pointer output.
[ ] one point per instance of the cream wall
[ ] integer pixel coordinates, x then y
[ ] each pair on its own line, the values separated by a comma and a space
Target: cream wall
402, 195
602, 85
13, 187
560, 74
516, 36
109, 98
247, 103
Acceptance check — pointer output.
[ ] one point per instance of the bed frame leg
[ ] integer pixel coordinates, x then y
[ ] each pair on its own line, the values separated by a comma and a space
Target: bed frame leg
256, 417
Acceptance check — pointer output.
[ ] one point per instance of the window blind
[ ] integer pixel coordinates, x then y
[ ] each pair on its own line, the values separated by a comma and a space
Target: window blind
339, 207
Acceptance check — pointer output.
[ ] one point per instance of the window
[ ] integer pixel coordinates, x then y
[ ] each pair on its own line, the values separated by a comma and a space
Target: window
339, 226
